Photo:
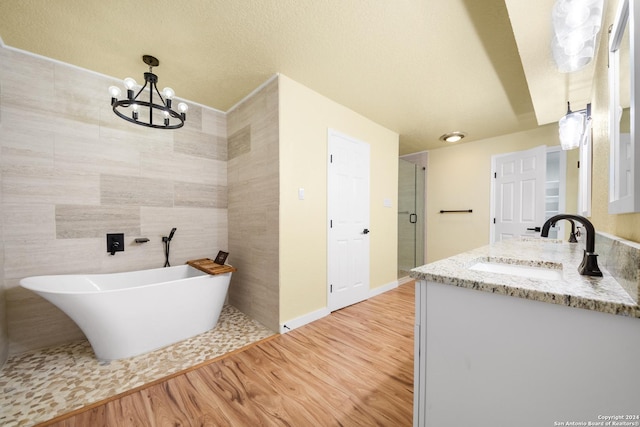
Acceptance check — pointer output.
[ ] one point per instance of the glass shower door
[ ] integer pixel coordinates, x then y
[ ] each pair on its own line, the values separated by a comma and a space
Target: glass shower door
410, 217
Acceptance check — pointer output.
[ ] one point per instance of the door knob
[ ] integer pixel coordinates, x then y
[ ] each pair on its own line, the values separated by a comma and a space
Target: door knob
365, 231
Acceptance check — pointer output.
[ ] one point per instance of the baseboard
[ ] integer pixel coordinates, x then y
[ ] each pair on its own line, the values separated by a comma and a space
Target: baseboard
405, 279
303, 320
382, 289
319, 314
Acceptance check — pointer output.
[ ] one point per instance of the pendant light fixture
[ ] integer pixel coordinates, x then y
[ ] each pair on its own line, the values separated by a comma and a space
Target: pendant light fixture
576, 24
143, 108
573, 127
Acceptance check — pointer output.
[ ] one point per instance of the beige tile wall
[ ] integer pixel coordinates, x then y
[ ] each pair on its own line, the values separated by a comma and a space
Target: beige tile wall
4, 340
71, 171
253, 135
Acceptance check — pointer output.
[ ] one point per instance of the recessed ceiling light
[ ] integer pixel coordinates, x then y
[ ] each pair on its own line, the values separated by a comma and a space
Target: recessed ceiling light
453, 136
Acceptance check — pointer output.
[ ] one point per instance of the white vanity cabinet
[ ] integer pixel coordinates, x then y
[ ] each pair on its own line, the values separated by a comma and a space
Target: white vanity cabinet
486, 359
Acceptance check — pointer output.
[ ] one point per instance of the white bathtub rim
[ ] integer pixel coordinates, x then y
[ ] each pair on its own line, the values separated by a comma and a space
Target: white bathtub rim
38, 284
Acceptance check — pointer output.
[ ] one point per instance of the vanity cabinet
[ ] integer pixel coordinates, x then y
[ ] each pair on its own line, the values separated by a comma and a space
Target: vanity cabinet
485, 359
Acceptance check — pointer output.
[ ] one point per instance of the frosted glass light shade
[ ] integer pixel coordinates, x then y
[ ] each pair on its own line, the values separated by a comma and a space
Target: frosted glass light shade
571, 128
576, 24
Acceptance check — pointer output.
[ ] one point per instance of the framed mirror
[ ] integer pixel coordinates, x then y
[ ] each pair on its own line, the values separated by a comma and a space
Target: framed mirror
584, 173
624, 158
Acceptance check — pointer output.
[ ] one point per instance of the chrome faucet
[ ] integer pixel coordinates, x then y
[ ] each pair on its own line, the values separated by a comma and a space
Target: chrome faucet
589, 264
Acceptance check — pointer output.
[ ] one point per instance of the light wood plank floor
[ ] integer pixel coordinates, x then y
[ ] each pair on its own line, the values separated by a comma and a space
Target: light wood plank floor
352, 368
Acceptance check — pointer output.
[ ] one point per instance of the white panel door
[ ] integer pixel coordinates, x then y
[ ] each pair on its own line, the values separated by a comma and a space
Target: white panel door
519, 192
348, 214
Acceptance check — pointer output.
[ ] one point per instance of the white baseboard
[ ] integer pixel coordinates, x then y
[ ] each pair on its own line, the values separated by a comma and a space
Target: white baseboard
319, 314
403, 280
303, 320
382, 289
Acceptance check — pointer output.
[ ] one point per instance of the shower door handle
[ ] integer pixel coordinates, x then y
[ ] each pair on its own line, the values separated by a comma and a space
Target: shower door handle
413, 218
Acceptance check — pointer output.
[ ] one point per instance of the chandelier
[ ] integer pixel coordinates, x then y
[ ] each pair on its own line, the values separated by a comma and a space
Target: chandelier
141, 108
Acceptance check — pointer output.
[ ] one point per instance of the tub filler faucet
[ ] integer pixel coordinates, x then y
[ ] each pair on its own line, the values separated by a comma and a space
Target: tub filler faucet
589, 264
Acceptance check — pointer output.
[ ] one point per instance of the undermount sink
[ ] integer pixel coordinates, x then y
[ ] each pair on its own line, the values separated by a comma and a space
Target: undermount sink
518, 270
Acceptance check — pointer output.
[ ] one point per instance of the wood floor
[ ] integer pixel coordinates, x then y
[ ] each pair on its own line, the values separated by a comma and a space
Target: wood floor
352, 368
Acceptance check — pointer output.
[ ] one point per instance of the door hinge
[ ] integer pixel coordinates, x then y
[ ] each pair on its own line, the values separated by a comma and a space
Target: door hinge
330, 289
494, 220
495, 175
578, 164
330, 158
330, 223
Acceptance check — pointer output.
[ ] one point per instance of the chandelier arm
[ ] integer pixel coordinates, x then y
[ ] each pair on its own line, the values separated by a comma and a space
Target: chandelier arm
159, 94
151, 101
140, 91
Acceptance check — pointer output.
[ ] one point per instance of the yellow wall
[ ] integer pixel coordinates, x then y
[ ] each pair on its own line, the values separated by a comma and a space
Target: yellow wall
626, 226
468, 185
459, 177
305, 117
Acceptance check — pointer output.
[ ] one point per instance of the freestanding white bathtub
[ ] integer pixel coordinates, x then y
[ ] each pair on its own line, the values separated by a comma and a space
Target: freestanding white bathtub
127, 314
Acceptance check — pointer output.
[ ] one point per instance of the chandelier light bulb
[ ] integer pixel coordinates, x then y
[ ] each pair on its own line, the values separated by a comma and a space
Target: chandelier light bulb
115, 91
182, 107
129, 83
168, 93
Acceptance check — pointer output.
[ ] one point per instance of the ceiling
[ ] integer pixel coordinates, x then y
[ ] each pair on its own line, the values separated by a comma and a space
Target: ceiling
419, 67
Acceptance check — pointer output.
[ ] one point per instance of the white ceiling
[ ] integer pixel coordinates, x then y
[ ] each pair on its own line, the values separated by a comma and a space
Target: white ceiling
419, 67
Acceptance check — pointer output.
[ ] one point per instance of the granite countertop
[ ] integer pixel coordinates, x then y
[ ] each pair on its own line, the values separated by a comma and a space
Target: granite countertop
603, 294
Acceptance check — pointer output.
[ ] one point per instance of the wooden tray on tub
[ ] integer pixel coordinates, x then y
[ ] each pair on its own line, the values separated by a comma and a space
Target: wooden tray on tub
208, 266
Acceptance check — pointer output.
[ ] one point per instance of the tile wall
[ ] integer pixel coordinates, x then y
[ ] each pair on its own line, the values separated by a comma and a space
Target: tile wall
4, 341
254, 193
71, 171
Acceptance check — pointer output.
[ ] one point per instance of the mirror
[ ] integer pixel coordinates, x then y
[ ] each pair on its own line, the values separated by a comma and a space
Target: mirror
584, 172
624, 159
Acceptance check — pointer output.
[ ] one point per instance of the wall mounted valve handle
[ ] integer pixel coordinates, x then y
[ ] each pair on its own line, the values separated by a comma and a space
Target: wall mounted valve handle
365, 231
